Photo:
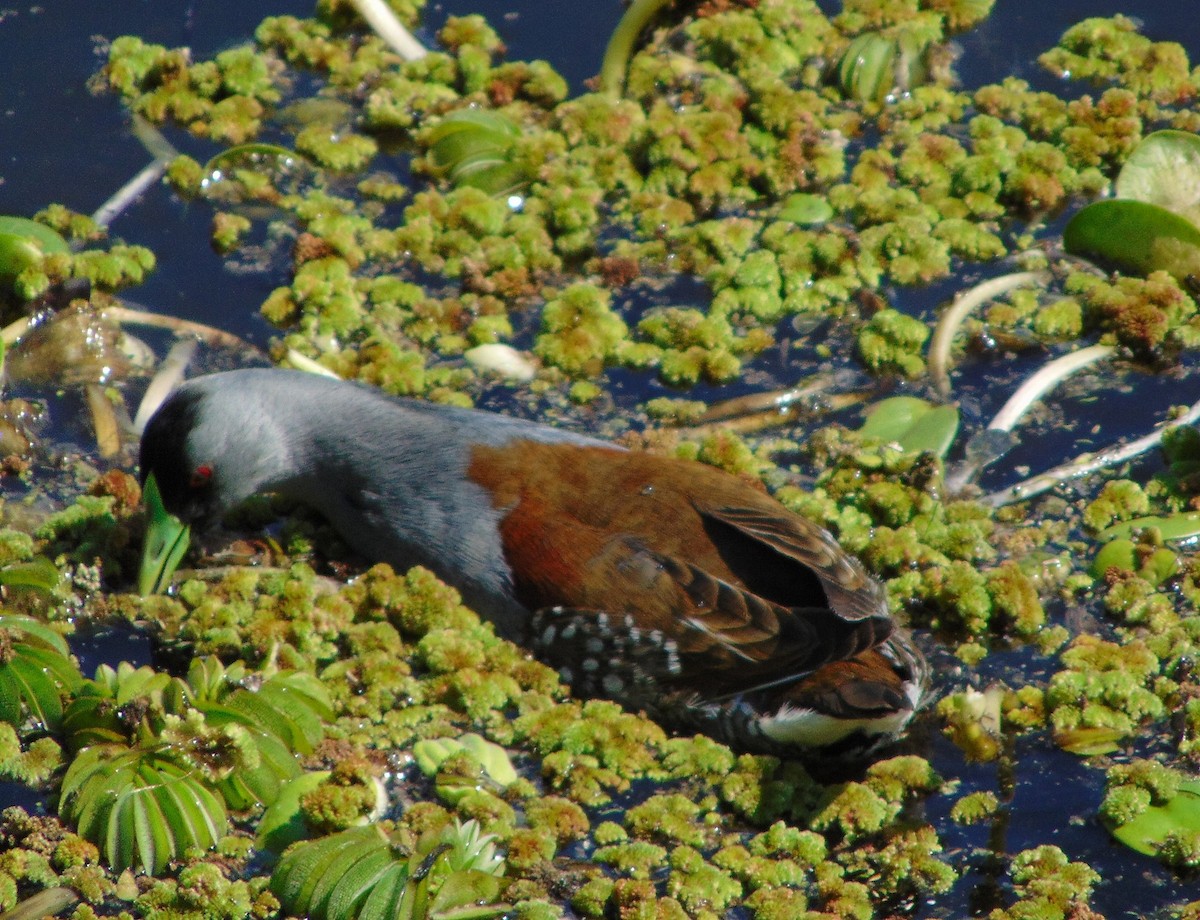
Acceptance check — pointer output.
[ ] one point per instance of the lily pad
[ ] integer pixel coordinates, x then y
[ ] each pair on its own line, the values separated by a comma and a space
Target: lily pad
1173, 527
806, 210
915, 424
1164, 169
1122, 554
1149, 831
23, 243
1135, 236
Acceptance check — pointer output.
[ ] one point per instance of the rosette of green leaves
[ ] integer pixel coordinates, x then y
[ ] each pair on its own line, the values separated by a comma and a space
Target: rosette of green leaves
284, 715
432, 753
161, 759
140, 807
359, 874
36, 672
107, 709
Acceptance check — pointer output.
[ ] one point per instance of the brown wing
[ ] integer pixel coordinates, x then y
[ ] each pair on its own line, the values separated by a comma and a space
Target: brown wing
844, 586
620, 596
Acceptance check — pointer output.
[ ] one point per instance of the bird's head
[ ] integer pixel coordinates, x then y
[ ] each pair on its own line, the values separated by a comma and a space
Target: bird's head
206, 450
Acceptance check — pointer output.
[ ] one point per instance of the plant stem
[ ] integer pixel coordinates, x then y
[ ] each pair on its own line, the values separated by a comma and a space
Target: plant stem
165, 381
959, 310
208, 334
621, 44
1088, 463
1050, 376
380, 18
46, 903
157, 146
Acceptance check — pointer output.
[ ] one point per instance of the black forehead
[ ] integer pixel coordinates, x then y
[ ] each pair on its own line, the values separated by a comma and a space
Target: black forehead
164, 442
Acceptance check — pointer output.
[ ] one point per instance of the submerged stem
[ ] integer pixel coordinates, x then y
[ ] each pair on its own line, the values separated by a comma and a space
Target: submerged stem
1088, 463
128, 193
208, 334
157, 146
1050, 376
959, 310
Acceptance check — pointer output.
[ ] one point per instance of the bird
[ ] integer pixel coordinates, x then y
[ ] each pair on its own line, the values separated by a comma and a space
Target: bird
664, 584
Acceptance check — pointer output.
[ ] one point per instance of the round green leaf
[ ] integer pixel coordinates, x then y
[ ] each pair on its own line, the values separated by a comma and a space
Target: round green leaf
806, 210
17, 253
45, 238
1136, 237
916, 425
1149, 830
23, 242
890, 418
1164, 169
1117, 554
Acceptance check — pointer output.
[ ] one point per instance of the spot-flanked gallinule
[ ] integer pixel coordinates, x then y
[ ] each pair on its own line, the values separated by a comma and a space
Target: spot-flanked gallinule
664, 584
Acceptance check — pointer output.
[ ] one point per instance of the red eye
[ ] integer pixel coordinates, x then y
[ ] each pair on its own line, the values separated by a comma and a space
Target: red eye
201, 476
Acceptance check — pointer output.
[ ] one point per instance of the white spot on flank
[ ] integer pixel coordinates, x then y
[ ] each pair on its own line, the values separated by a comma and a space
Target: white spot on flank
612, 684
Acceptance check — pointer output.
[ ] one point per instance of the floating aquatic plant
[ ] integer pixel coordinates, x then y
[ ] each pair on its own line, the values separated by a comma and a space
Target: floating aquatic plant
140, 806
432, 753
1155, 810
36, 672
24, 244
476, 148
806, 209
1152, 225
360, 875
876, 65
283, 823
915, 424
254, 174
159, 759
284, 715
